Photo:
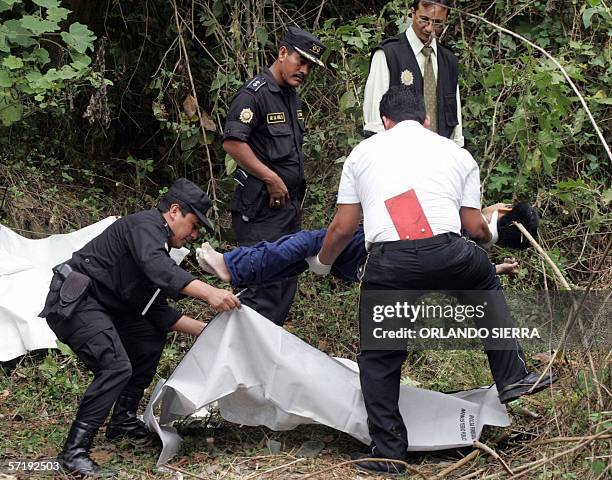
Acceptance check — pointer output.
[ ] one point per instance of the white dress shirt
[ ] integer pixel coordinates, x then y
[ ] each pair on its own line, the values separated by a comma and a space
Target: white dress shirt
406, 157
378, 83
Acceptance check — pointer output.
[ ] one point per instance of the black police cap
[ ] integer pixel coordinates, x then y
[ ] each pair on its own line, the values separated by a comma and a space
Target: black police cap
306, 44
194, 197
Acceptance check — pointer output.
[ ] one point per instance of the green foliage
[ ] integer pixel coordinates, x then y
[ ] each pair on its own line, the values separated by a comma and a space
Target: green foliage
29, 80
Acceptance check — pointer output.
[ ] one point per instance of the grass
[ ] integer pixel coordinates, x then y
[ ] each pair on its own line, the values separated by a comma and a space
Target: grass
39, 396
38, 399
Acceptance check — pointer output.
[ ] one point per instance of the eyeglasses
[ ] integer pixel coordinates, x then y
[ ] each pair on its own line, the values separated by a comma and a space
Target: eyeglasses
424, 21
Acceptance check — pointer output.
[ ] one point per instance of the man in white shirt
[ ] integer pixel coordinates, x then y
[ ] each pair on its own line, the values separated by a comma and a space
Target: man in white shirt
417, 58
417, 190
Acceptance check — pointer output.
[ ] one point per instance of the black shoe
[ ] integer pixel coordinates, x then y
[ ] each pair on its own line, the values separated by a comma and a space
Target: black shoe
74, 458
524, 385
124, 422
377, 466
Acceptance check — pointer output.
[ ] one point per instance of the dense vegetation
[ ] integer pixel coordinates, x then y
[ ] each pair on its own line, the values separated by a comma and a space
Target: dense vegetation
102, 104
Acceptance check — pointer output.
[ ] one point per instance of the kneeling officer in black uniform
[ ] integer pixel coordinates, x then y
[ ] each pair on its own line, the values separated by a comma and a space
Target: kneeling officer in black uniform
108, 303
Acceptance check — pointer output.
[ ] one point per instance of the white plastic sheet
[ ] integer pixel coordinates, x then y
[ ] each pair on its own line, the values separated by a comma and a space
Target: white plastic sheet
25, 274
260, 374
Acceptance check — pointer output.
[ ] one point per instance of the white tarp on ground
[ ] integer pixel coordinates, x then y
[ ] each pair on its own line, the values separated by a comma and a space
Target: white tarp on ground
25, 274
260, 374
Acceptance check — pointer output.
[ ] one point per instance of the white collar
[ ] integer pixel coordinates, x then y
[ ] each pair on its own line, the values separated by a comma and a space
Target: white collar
416, 44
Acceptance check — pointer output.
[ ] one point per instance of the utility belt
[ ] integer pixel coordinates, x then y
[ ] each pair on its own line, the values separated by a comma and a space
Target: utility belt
251, 195
440, 239
67, 290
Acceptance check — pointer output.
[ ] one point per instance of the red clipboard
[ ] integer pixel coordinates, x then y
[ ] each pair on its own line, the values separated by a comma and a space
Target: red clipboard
408, 216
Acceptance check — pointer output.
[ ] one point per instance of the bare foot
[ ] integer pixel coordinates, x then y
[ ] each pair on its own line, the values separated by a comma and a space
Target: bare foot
212, 262
509, 267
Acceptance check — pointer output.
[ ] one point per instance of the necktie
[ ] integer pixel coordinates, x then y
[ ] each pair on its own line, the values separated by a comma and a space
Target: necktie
429, 89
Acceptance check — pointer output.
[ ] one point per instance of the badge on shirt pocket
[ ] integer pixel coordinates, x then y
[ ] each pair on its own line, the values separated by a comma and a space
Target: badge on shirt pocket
275, 117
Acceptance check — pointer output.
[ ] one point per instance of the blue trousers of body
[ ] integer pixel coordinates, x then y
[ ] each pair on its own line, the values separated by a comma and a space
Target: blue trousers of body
267, 262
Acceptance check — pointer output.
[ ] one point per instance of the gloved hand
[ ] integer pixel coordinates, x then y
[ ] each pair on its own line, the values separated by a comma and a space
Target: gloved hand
315, 265
493, 229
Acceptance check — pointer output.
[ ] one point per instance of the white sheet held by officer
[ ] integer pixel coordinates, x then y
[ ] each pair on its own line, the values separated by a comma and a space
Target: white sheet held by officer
417, 190
100, 305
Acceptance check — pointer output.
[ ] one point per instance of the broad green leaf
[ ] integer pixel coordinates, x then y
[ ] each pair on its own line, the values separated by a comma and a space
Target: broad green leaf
601, 98
80, 60
4, 46
587, 16
494, 77
38, 26
40, 56
5, 79
18, 35
12, 62
347, 101
7, 4
47, 3
262, 35
230, 165
67, 73
10, 111
79, 37
57, 14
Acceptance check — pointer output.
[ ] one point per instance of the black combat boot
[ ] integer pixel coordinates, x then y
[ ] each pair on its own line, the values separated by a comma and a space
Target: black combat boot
74, 458
124, 422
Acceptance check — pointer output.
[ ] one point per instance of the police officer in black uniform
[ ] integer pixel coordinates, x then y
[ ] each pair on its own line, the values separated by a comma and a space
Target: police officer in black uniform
264, 134
108, 303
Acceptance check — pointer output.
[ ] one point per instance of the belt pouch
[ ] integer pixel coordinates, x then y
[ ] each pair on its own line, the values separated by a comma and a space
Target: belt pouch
73, 291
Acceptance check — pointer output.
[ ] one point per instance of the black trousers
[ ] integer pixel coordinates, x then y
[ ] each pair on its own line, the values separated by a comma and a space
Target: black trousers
122, 353
272, 300
456, 264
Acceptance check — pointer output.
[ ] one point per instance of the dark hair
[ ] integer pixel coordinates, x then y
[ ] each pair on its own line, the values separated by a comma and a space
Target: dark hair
168, 200
445, 3
509, 235
401, 103
289, 48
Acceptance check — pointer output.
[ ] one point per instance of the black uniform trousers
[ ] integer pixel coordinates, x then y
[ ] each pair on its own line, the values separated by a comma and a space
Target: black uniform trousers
272, 300
121, 351
454, 264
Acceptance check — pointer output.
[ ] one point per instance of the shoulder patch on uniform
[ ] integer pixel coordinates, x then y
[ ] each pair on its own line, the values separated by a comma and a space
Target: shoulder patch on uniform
275, 117
246, 115
256, 83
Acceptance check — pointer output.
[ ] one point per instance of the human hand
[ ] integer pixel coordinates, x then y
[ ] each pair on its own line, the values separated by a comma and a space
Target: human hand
277, 191
315, 265
509, 267
222, 300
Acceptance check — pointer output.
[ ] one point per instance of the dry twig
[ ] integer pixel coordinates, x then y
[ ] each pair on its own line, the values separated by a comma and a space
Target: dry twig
494, 454
409, 467
280, 467
468, 458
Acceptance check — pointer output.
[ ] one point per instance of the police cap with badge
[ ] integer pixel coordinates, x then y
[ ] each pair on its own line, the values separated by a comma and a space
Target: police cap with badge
306, 44
193, 197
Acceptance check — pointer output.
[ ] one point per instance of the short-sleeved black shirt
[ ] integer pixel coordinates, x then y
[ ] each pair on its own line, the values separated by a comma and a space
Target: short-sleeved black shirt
269, 118
128, 262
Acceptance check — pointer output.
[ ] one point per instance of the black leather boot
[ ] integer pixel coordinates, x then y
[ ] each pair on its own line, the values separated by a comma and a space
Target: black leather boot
124, 422
74, 458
